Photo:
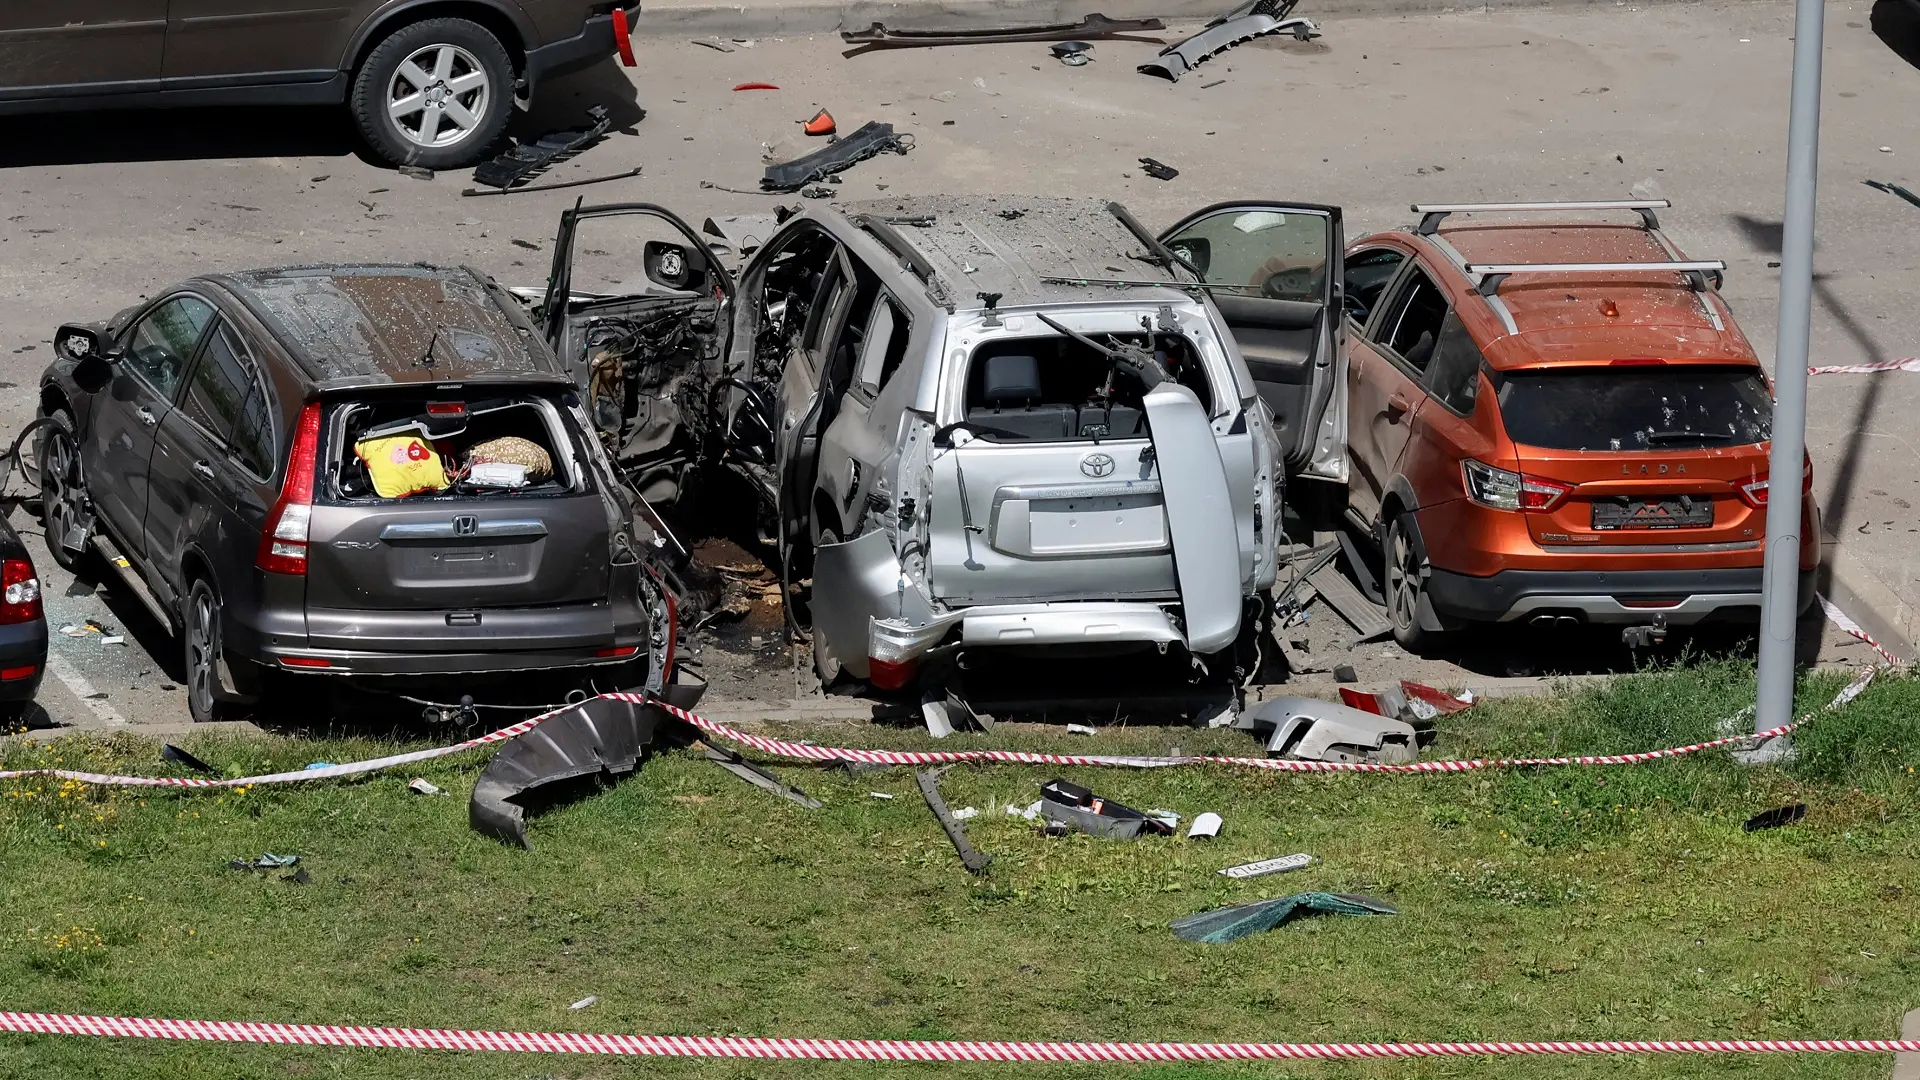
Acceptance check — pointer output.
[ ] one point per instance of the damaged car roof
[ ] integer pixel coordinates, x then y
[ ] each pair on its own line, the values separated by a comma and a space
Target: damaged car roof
356, 324
1008, 244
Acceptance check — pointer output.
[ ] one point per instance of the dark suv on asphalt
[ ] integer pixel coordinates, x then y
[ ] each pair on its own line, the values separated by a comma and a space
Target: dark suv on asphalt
230, 438
430, 82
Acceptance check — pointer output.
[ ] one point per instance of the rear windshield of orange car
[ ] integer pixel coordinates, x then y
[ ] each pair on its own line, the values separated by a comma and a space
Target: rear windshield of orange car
1654, 407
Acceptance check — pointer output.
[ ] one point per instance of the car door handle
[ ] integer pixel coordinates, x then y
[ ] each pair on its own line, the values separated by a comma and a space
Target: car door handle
1398, 406
203, 469
146, 416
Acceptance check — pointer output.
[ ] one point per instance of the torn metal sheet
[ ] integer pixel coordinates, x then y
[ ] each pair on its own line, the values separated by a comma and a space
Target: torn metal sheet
1199, 510
854, 583
929, 782
871, 139
1367, 618
1231, 923
880, 36
1079, 808
1311, 730
519, 164
759, 777
1244, 23
601, 738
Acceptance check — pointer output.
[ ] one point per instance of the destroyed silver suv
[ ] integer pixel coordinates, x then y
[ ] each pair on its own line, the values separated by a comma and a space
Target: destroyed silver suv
983, 423
344, 471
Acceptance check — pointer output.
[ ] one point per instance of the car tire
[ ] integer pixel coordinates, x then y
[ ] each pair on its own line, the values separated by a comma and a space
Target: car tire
461, 110
207, 700
825, 664
1405, 585
63, 491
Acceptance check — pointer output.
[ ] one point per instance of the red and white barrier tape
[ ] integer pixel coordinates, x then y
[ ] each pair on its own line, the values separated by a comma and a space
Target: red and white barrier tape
802, 751
1911, 363
1845, 622
738, 1047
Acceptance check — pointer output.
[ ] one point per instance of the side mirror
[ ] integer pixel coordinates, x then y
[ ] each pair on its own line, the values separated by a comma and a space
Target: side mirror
1197, 250
78, 341
674, 266
92, 354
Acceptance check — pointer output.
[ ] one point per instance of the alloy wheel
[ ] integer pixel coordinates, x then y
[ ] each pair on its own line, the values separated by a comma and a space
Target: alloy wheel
1403, 577
200, 650
438, 96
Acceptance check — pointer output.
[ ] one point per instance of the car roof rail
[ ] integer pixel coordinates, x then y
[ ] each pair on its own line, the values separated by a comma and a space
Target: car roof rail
1432, 214
1489, 275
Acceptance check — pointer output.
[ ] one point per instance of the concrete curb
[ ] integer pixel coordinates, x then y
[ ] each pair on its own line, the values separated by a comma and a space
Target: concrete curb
777, 17
1877, 608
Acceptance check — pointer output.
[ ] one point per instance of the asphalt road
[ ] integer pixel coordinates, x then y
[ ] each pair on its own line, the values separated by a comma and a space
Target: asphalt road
1688, 102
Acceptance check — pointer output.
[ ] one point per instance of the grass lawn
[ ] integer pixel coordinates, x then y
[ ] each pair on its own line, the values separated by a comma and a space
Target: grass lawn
1594, 904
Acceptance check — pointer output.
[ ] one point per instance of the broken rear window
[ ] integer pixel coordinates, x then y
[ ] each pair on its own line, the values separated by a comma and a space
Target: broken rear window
406, 447
1652, 407
1050, 389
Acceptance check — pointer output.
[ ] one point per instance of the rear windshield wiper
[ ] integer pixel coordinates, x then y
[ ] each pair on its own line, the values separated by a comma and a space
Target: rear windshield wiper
1140, 363
1680, 436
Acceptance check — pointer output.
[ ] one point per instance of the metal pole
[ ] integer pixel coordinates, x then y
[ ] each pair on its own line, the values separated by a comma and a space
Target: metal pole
1780, 606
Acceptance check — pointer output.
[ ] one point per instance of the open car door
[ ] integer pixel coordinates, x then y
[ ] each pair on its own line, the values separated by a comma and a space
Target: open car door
640, 310
1275, 271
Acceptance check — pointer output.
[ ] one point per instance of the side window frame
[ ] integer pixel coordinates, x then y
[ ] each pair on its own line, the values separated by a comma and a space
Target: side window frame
1479, 365
125, 342
263, 389
1387, 290
1397, 298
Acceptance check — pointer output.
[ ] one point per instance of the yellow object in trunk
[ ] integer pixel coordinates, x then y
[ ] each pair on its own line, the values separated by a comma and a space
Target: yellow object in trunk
402, 465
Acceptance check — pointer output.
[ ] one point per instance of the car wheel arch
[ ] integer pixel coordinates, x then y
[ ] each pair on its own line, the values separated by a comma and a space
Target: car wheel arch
508, 25
53, 398
194, 567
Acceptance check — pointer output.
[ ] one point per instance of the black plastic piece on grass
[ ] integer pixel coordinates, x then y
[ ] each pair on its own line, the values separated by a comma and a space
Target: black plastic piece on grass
170, 752
595, 742
1775, 818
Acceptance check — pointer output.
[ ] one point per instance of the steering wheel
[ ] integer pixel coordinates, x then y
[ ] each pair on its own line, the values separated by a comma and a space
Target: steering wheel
1292, 284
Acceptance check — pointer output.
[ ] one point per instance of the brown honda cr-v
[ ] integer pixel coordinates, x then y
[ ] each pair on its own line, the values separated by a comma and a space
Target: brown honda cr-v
430, 82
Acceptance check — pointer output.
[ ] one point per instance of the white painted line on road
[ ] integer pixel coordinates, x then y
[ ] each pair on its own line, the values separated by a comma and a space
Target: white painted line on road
82, 689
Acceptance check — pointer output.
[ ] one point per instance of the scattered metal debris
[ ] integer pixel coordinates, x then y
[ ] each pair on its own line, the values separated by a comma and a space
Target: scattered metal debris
599, 738
267, 861
817, 191
1075, 807
421, 786
821, 123
1313, 730
1366, 617
755, 86
1073, 53
415, 171
1081, 729
1283, 864
1775, 818
630, 173
1159, 170
1205, 826
1214, 83
715, 44
929, 782
879, 36
1232, 923
872, 138
584, 1003
1893, 189
1256, 18
757, 776
527, 159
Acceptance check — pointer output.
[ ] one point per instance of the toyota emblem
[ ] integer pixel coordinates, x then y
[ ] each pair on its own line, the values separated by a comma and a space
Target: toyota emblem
1097, 465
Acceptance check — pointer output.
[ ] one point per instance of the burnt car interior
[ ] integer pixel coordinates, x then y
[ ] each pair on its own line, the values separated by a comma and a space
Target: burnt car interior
490, 447
1054, 389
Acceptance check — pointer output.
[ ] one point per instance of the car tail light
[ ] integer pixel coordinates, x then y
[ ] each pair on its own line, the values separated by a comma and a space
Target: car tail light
283, 543
25, 671
21, 601
446, 408
890, 674
1500, 489
1754, 493
306, 661
623, 37
618, 650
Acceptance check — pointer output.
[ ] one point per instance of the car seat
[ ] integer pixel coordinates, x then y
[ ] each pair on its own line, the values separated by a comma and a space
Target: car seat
1010, 388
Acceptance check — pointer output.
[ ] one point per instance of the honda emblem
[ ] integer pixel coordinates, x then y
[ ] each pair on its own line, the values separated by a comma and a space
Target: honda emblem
1097, 465
466, 525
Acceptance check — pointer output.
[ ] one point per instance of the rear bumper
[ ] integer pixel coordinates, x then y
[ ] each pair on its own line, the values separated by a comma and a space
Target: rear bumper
1683, 597
23, 645
592, 44
354, 662
1076, 624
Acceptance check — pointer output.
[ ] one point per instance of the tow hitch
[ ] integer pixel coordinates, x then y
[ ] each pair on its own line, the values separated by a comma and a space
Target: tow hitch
1645, 637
